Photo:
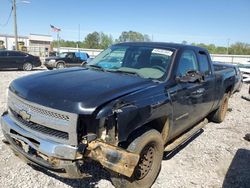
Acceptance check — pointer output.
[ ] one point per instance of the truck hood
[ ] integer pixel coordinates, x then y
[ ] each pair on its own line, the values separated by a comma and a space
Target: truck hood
76, 90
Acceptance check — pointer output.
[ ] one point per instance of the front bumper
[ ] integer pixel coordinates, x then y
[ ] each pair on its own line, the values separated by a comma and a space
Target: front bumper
49, 65
62, 157
47, 147
47, 154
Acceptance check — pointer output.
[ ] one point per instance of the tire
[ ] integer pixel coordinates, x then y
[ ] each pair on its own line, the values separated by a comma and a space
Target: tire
60, 66
27, 66
218, 115
150, 146
84, 63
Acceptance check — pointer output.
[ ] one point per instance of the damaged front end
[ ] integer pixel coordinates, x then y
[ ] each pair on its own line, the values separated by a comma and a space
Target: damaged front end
112, 157
65, 159
103, 145
63, 142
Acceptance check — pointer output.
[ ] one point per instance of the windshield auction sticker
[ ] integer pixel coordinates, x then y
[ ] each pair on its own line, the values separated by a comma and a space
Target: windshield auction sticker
162, 52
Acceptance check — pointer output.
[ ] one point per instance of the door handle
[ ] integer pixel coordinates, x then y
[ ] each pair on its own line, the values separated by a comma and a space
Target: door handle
198, 93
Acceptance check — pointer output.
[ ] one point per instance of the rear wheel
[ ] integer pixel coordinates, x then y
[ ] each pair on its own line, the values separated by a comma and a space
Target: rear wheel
219, 115
60, 66
27, 66
150, 147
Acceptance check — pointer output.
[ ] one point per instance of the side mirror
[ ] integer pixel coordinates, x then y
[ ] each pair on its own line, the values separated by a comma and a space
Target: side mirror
191, 76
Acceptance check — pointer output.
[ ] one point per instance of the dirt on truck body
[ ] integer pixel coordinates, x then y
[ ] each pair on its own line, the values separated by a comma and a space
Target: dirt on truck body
121, 110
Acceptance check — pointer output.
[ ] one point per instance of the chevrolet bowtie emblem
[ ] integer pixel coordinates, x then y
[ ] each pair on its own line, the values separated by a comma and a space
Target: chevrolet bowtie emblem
25, 115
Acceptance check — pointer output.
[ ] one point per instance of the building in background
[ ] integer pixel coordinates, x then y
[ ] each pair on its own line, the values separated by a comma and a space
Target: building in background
36, 44
8, 41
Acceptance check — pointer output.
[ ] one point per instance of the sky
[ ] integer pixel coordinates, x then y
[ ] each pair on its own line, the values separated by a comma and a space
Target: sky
201, 21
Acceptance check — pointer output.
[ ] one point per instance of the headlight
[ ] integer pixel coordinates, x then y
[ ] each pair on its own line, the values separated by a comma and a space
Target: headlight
52, 61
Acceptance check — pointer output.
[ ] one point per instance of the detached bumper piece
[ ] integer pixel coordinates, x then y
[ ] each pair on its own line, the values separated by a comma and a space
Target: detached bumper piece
112, 157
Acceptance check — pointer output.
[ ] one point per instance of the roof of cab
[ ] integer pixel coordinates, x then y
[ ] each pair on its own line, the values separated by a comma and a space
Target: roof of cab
162, 45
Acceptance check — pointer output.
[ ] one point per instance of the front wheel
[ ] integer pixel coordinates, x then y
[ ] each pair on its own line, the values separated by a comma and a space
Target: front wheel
60, 66
150, 147
27, 66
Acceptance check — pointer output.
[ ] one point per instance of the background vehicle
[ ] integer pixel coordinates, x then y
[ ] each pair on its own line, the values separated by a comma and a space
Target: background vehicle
238, 76
19, 60
66, 59
245, 70
122, 109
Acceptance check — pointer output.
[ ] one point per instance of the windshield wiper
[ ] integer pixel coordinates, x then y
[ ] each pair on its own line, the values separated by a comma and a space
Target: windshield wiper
97, 67
126, 72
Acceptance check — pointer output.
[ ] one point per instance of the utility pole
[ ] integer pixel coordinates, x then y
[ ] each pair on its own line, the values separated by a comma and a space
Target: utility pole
79, 28
228, 41
15, 23
58, 43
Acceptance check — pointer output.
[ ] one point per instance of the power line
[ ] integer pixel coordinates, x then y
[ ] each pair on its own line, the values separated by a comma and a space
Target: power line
6, 23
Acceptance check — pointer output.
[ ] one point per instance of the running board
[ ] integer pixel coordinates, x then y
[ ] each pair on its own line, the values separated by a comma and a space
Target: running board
185, 136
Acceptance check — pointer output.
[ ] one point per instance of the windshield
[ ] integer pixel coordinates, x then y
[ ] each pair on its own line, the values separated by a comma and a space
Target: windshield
147, 62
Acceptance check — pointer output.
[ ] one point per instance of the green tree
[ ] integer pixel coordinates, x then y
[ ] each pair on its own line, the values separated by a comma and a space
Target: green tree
184, 42
98, 40
105, 40
239, 48
132, 36
92, 40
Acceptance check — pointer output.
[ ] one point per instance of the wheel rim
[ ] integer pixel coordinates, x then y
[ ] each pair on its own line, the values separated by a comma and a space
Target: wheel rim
145, 162
27, 66
60, 66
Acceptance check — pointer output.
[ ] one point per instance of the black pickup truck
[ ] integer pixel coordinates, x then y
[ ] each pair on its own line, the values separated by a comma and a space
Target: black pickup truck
122, 110
66, 59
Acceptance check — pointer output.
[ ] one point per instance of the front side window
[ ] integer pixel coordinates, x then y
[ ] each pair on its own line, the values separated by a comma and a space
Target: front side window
147, 62
70, 55
187, 62
62, 55
204, 63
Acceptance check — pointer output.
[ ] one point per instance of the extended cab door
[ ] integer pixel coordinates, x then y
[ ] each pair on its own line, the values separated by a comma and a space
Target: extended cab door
208, 83
186, 97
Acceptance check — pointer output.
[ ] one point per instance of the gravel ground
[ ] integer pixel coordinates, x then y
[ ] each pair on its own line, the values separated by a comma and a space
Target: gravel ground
216, 157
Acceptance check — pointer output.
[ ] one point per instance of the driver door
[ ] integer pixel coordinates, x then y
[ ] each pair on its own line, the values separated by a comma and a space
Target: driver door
186, 97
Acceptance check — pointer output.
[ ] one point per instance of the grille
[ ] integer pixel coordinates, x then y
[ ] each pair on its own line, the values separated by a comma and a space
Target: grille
59, 125
40, 128
43, 112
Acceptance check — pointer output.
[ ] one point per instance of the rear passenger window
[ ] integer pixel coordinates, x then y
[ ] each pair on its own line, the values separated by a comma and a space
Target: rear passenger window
187, 63
204, 63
